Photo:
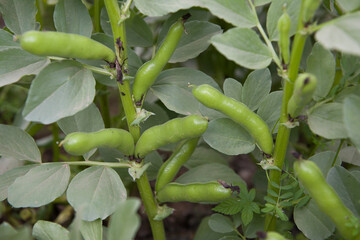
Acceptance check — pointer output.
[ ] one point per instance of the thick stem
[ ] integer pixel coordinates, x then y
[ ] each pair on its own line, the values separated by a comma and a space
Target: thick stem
96, 15
118, 27
282, 138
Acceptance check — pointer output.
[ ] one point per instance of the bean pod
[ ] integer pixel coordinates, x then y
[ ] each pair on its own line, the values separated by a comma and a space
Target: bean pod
211, 192
172, 131
170, 168
149, 71
237, 111
304, 88
270, 236
283, 26
310, 7
79, 143
66, 45
325, 196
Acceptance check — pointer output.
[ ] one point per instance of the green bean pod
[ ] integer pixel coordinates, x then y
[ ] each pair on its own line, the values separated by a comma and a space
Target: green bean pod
270, 236
237, 111
325, 196
172, 131
304, 88
149, 71
283, 26
79, 143
66, 45
310, 7
211, 192
170, 168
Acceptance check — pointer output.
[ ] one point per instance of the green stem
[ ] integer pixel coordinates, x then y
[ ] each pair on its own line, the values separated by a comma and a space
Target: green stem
337, 152
98, 70
94, 163
55, 146
104, 106
96, 16
282, 138
118, 28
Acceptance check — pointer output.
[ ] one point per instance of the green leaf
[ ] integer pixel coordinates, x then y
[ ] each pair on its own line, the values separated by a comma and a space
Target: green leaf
72, 17
228, 137
256, 87
313, 223
346, 186
350, 65
9, 178
44, 230
270, 109
204, 155
156, 161
221, 224
327, 121
233, 89
229, 206
261, 2
92, 230
286, 195
194, 41
60, 90
351, 119
171, 87
236, 12
269, 200
18, 144
247, 215
243, 46
7, 232
348, 5
324, 161
341, 34
322, 64
350, 155
274, 13
273, 193
158, 8
125, 221
87, 120
209, 172
15, 63
204, 232
39, 186
7, 40
160, 116
19, 15
96, 192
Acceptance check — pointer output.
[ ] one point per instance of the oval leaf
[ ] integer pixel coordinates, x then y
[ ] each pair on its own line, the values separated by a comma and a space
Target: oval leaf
40, 186
243, 46
92, 230
233, 88
96, 192
18, 144
351, 119
270, 109
60, 90
220, 223
228, 137
44, 230
158, 8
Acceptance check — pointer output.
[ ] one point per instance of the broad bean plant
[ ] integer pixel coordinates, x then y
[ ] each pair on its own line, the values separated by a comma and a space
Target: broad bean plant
110, 105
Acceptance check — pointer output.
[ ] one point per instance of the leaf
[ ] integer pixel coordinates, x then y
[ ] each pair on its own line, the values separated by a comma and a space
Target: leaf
261, 2
171, 87
15, 63
229, 206
256, 87
203, 155
232, 88
324, 161
270, 109
87, 120
341, 34
19, 15
125, 222
274, 13
92, 230
322, 64
96, 192
350, 65
313, 223
243, 46
346, 186
348, 5
194, 41
7, 40
351, 119
9, 178
60, 90
7, 232
327, 121
18, 144
209, 172
228, 137
160, 116
350, 155
72, 17
158, 8
204, 232
221, 224
40, 186
44, 230
156, 161
236, 12
247, 216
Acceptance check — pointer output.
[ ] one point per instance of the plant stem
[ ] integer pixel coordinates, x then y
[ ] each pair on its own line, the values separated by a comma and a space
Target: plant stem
282, 138
96, 15
337, 152
94, 163
117, 18
55, 146
104, 105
